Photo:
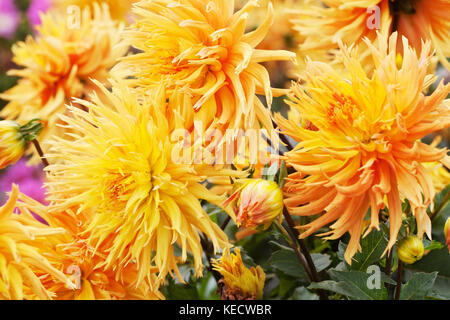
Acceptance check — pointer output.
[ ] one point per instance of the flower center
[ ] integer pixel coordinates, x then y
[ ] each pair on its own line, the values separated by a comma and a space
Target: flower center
343, 109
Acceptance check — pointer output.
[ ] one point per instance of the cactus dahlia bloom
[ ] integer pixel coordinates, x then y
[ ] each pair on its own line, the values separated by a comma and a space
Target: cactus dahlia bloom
362, 142
72, 255
239, 282
22, 254
212, 72
58, 64
122, 167
351, 20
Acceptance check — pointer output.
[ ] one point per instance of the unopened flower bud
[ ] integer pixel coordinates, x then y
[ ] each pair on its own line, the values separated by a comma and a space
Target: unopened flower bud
239, 282
259, 202
14, 139
410, 249
12, 143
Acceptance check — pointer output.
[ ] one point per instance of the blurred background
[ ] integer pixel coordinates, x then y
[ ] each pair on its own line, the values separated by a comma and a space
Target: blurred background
18, 19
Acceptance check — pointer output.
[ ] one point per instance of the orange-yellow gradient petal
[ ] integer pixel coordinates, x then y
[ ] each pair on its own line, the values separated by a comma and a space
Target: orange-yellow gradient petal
213, 71
362, 142
23, 249
57, 64
143, 199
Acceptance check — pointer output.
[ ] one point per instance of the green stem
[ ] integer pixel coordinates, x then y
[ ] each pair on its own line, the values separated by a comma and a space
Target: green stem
304, 249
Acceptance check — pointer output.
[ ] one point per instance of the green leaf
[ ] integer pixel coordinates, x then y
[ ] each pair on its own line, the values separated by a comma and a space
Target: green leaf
285, 286
441, 288
302, 293
287, 261
207, 288
356, 283
283, 174
321, 261
436, 260
432, 245
418, 287
373, 246
174, 291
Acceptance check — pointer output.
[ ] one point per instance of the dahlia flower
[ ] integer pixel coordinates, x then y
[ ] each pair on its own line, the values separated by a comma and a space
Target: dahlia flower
212, 73
22, 254
143, 198
239, 282
72, 255
57, 66
361, 142
352, 20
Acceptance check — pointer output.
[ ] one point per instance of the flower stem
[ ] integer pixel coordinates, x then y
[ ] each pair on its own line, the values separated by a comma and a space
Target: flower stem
305, 251
293, 244
40, 152
225, 222
207, 248
399, 280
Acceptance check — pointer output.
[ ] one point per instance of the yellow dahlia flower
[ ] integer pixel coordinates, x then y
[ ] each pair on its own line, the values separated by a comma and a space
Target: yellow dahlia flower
145, 200
352, 20
72, 254
58, 64
22, 254
212, 72
239, 282
410, 249
258, 202
119, 9
362, 142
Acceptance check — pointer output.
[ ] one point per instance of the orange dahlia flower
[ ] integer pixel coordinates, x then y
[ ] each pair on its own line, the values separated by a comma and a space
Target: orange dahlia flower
212, 72
71, 254
58, 65
351, 20
359, 142
143, 199
23, 248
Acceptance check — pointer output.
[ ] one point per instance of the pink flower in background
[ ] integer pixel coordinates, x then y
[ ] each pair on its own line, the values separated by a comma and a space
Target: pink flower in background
29, 179
9, 18
35, 9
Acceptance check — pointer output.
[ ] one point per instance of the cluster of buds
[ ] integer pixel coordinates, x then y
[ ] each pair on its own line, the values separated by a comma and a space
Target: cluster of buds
410, 249
257, 202
239, 282
14, 139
